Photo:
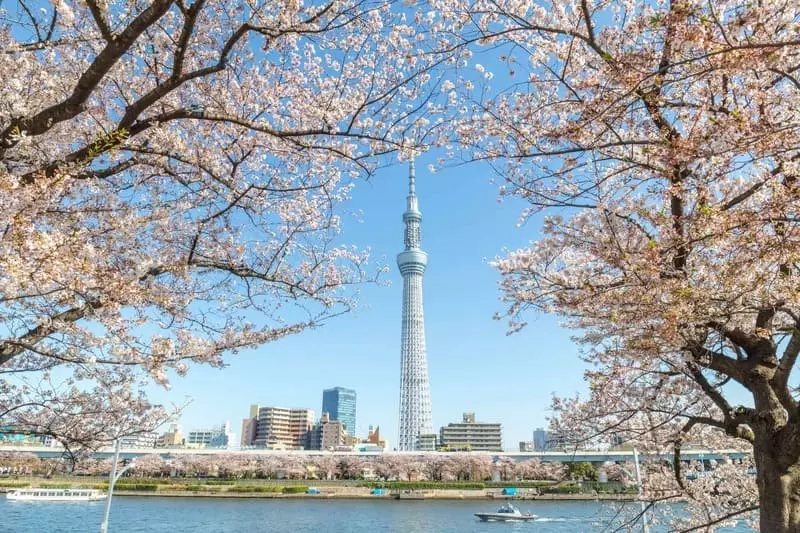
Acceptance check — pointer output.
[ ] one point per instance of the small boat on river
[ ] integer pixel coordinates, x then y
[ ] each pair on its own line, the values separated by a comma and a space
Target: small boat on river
507, 513
58, 495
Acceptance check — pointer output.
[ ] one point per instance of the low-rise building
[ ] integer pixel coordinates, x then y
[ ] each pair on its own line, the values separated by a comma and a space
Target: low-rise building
471, 435
528, 446
170, 439
49, 441
332, 434
328, 435
141, 440
427, 442
9, 435
374, 437
366, 447
547, 440
373, 442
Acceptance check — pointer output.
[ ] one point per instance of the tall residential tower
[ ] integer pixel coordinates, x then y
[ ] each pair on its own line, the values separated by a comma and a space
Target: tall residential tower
415, 396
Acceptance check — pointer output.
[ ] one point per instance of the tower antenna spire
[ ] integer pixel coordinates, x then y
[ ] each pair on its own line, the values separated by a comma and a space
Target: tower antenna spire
411, 201
412, 178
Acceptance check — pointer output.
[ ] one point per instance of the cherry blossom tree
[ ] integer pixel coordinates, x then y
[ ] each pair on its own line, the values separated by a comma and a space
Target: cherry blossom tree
268, 466
436, 468
170, 180
324, 466
470, 467
88, 467
18, 463
390, 465
412, 468
196, 465
529, 469
506, 467
620, 473
293, 467
151, 465
661, 139
350, 467
248, 467
545, 471
236, 465
460, 468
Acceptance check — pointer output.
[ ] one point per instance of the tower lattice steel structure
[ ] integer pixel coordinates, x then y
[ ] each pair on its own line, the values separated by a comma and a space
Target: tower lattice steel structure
415, 396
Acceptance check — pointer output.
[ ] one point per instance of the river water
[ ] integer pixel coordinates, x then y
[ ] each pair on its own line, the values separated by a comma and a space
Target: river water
219, 515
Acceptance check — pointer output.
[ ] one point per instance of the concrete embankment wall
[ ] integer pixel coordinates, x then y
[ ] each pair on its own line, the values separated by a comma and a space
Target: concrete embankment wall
360, 493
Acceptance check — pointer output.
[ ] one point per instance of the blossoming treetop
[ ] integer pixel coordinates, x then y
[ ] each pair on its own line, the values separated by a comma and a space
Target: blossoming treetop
665, 134
170, 176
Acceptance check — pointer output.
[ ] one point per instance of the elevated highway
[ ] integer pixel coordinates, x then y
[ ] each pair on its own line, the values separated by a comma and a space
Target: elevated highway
591, 456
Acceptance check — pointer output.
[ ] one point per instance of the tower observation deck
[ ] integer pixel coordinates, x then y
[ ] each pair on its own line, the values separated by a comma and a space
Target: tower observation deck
415, 397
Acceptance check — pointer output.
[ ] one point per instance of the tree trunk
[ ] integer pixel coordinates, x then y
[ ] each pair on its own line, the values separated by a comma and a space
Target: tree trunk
779, 494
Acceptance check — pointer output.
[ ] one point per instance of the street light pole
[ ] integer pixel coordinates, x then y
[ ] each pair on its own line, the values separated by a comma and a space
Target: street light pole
641, 492
112, 479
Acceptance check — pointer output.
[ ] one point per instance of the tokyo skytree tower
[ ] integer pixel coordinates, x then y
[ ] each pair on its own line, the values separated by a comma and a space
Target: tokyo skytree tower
415, 395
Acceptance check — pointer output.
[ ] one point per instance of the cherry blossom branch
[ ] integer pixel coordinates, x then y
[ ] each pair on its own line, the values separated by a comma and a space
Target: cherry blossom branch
736, 335
712, 392
718, 520
190, 15
9, 350
718, 362
100, 20
47, 118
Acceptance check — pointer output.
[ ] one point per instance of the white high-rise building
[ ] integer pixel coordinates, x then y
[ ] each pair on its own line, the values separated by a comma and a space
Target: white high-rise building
415, 396
214, 437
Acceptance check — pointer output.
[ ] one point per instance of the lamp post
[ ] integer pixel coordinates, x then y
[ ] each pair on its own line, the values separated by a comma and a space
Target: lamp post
639, 484
112, 479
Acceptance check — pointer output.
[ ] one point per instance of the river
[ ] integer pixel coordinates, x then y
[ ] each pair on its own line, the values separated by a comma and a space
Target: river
219, 515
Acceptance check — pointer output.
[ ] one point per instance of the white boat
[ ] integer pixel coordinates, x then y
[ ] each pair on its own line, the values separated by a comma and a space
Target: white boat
507, 513
58, 495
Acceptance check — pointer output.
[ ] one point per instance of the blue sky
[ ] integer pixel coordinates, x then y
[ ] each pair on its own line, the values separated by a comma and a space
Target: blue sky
473, 364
